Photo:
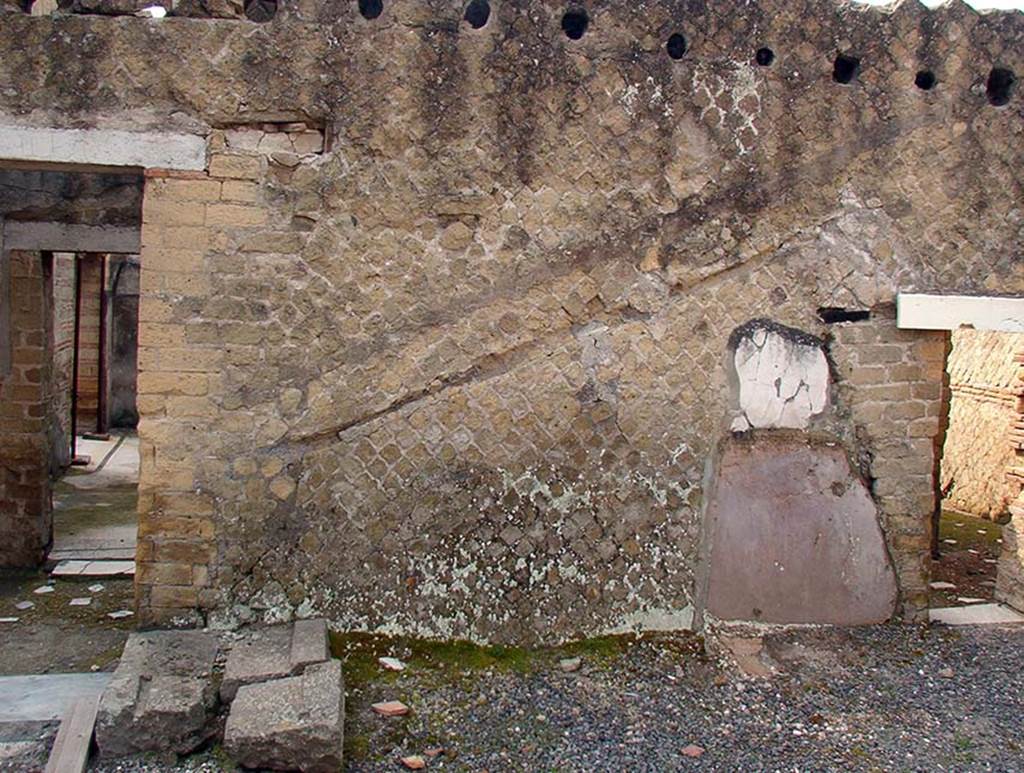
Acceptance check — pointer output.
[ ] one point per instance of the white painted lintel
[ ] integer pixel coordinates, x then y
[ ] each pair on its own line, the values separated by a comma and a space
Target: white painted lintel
919, 311
103, 148
65, 237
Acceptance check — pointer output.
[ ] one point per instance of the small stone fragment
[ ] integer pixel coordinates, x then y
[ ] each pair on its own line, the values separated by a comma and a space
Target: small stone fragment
949, 541
391, 664
693, 750
721, 680
44, 589
23, 605
414, 762
946, 673
82, 602
9, 619
941, 586
969, 600
96, 587
390, 708
120, 614
434, 751
570, 664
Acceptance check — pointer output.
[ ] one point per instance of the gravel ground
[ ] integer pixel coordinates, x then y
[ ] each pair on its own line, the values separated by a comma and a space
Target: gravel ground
879, 698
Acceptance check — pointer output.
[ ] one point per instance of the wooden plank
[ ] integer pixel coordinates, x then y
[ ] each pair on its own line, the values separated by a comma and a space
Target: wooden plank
70, 751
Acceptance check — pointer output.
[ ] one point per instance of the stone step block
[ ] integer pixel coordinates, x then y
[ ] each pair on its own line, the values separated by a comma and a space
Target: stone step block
272, 653
293, 723
161, 695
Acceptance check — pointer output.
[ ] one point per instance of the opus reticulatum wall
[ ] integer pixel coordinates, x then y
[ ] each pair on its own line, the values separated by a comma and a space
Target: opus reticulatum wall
444, 339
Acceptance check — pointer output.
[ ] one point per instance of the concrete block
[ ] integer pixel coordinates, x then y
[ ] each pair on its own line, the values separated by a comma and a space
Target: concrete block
295, 723
160, 696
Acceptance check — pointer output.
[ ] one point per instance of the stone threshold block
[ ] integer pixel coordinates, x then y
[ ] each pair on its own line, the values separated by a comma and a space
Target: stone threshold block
294, 723
274, 652
161, 695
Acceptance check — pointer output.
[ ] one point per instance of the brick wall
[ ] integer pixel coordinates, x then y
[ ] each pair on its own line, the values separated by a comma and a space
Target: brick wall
90, 266
985, 392
181, 358
892, 382
25, 508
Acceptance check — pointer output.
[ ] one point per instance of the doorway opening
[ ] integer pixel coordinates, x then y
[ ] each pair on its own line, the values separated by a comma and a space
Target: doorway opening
69, 284
977, 477
977, 568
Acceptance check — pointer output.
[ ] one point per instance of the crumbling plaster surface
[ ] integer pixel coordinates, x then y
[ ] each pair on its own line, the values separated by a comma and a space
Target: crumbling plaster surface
459, 374
781, 377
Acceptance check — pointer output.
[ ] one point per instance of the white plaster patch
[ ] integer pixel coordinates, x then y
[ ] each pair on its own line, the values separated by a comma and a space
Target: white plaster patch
782, 382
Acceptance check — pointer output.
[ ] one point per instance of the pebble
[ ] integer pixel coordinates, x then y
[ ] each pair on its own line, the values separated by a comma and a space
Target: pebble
390, 708
44, 589
96, 587
9, 619
570, 664
693, 750
23, 605
946, 673
119, 614
391, 664
414, 762
82, 602
941, 586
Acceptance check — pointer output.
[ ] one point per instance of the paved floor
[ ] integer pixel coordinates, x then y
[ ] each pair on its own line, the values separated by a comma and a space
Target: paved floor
95, 507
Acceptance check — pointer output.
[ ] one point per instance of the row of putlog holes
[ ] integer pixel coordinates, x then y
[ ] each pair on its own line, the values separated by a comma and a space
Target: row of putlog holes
845, 68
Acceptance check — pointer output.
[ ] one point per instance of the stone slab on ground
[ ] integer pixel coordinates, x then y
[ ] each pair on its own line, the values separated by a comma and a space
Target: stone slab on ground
45, 697
273, 653
294, 723
161, 695
75, 568
976, 614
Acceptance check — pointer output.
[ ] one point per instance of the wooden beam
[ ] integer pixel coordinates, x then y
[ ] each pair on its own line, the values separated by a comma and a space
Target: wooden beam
70, 751
65, 237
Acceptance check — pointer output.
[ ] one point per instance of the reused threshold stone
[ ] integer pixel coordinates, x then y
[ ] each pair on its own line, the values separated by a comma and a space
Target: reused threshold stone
161, 695
295, 723
272, 653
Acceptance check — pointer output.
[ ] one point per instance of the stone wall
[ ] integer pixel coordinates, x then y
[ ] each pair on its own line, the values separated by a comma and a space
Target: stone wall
459, 369
985, 392
25, 509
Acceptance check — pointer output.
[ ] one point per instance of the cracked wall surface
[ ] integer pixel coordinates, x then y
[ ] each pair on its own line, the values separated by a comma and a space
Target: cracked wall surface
457, 369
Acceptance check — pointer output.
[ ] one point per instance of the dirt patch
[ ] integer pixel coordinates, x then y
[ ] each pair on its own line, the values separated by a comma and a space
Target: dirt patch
969, 548
53, 636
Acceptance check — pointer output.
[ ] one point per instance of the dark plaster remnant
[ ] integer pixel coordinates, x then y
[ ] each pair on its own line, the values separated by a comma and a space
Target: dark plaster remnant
747, 329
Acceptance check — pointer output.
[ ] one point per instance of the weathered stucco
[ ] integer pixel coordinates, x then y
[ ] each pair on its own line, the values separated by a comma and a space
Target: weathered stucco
459, 371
